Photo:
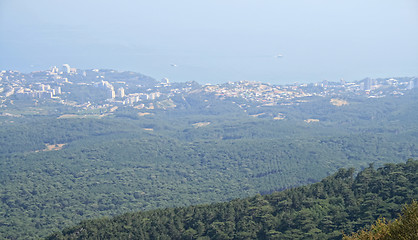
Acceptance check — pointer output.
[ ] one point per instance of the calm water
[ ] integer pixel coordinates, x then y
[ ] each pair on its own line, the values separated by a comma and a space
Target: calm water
215, 41
209, 69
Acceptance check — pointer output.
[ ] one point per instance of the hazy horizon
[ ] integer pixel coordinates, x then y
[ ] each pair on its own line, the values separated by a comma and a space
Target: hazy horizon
218, 41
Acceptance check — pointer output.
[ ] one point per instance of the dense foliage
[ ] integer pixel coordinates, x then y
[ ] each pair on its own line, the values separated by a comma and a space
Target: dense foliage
206, 150
339, 203
405, 227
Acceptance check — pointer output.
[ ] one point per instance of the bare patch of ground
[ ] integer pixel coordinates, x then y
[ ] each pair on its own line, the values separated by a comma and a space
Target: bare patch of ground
338, 102
310, 120
52, 147
141, 114
201, 124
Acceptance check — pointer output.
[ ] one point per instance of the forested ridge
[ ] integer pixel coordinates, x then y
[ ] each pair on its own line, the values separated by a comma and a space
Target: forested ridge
324, 210
56, 172
404, 227
117, 172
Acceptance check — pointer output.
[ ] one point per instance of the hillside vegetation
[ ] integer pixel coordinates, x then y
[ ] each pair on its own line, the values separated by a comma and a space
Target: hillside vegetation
106, 164
405, 227
339, 203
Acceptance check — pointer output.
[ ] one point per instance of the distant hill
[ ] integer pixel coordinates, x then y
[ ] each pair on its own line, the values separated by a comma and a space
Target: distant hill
94, 143
59, 167
339, 203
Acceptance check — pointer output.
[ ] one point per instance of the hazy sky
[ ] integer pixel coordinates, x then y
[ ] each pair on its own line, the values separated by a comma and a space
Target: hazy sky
215, 41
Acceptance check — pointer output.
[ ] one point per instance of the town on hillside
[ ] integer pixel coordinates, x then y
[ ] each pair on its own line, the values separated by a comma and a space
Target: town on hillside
109, 89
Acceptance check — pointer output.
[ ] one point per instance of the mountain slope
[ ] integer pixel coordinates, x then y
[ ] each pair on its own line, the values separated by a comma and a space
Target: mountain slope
405, 227
339, 203
60, 165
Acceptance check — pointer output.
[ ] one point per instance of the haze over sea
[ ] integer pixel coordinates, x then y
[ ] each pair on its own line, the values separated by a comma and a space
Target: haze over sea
215, 41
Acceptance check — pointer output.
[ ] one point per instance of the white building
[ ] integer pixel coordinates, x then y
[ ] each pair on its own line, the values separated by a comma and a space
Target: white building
121, 92
66, 68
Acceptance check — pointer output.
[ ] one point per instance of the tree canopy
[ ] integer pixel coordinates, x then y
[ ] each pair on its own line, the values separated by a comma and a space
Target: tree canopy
339, 203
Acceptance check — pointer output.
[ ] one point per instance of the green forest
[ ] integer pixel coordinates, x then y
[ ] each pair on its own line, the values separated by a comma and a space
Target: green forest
324, 210
56, 172
403, 227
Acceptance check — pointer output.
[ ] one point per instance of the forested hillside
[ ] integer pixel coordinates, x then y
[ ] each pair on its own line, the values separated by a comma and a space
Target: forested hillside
250, 120
404, 227
55, 171
339, 203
